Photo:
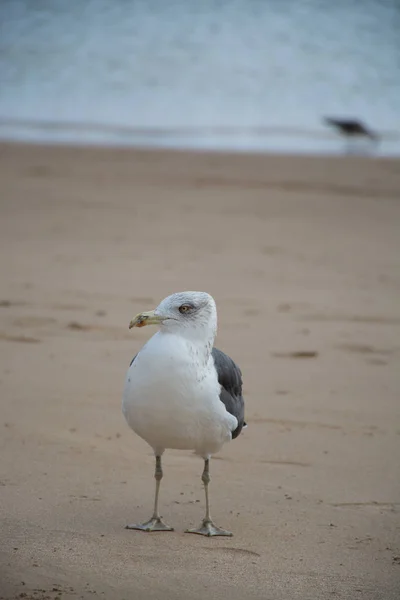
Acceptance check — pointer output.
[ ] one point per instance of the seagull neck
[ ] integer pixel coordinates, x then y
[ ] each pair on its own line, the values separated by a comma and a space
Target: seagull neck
198, 340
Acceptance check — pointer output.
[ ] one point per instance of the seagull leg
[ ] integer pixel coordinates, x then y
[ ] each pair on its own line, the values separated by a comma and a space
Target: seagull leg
207, 527
155, 523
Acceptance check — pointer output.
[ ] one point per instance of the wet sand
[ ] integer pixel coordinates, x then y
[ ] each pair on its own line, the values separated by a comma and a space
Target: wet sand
302, 257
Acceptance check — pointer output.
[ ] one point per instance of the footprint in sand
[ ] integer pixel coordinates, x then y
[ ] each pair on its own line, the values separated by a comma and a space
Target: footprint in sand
114, 333
19, 338
75, 326
8, 303
296, 354
387, 506
228, 550
376, 361
366, 349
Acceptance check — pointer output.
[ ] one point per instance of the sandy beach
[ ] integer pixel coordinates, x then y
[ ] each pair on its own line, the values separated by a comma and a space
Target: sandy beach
302, 257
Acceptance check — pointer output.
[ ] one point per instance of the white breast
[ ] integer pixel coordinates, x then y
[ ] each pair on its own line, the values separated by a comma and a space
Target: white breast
171, 399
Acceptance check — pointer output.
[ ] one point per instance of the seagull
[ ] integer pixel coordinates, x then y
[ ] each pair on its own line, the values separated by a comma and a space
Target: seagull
352, 128
182, 393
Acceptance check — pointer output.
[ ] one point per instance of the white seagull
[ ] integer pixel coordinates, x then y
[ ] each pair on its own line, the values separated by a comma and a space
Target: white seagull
181, 393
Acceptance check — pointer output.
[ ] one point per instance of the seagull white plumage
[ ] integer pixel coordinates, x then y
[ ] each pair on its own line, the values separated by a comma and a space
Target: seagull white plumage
181, 393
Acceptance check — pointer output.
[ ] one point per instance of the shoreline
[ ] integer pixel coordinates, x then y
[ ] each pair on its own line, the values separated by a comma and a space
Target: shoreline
280, 139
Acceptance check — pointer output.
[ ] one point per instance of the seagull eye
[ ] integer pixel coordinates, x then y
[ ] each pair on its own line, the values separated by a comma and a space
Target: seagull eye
185, 308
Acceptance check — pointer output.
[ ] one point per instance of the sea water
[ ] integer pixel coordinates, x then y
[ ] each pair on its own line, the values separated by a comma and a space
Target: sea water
236, 75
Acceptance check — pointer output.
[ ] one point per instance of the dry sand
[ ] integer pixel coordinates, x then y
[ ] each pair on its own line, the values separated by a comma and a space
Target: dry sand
302, 256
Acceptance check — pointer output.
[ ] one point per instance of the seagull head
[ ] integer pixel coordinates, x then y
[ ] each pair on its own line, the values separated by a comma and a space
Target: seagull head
191, 314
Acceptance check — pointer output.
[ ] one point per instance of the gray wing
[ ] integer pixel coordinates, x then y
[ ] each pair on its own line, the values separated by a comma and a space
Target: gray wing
230, 380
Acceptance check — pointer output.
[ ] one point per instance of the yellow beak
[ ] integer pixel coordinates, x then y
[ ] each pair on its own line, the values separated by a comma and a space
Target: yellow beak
145, 318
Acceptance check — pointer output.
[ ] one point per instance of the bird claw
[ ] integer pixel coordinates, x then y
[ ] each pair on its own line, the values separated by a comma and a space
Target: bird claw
154, 524
208, 529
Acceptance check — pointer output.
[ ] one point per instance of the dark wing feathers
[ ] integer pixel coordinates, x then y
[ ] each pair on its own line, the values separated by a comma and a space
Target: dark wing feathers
230, 380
